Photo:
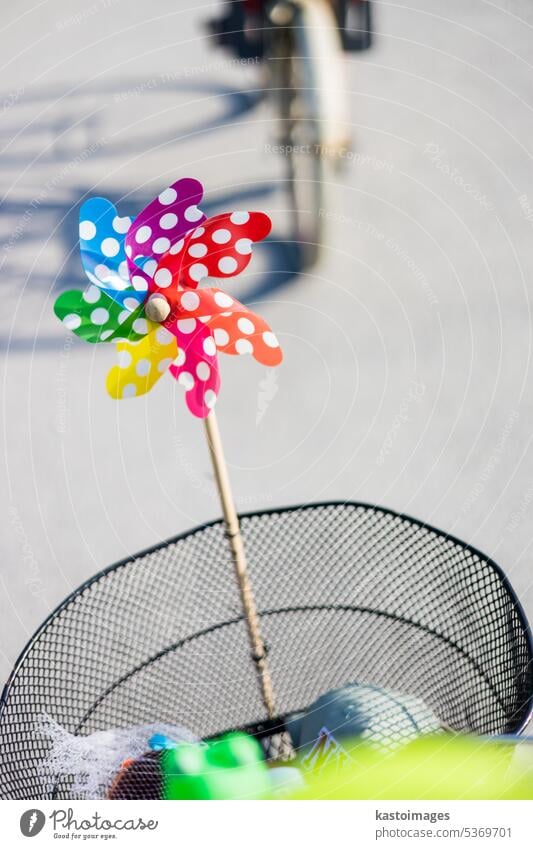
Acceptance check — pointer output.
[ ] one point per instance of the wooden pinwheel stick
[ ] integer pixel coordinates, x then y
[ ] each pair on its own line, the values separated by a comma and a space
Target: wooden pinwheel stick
233, 532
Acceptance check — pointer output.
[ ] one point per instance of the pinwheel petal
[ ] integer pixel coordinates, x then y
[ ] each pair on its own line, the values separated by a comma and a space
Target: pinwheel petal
141, 364
163, 223
220, 247
196, 369
102, 246
236, 329
245, 332
93, 316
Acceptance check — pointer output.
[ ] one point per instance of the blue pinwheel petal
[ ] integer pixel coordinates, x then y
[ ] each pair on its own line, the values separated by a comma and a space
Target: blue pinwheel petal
103, 256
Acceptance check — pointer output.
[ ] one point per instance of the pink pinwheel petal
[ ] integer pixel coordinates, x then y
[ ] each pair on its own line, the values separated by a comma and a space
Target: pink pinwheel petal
196, 367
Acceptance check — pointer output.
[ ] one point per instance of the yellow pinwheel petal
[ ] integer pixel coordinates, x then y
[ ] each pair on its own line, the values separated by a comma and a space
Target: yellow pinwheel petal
141, 364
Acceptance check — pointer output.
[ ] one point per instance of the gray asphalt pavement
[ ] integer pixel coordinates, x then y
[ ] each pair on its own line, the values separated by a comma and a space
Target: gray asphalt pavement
407, 374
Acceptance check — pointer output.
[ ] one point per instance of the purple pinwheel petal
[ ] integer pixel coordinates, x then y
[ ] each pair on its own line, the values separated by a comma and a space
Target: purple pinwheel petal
161, 225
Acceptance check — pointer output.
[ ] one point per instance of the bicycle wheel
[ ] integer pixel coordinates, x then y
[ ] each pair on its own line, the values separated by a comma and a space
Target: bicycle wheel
307, 63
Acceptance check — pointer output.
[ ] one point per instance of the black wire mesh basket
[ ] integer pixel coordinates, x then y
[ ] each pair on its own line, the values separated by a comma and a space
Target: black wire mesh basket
346, 593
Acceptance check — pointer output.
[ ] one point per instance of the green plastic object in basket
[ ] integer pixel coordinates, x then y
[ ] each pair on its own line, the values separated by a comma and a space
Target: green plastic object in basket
231, 767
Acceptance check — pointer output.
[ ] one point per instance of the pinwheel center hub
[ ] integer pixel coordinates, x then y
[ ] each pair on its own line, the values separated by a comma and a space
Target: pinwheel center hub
157, 308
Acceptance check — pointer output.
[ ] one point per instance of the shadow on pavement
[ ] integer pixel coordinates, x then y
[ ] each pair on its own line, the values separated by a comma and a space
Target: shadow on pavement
33, 222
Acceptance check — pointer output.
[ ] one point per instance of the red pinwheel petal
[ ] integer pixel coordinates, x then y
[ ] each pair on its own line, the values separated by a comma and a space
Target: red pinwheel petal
196, 368
220, 247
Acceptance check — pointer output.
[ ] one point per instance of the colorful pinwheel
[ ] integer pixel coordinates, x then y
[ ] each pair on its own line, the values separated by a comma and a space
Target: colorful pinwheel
144, 293
144, 296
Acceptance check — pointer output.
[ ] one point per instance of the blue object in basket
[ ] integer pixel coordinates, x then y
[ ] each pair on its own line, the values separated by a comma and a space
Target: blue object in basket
160, 742
358, 712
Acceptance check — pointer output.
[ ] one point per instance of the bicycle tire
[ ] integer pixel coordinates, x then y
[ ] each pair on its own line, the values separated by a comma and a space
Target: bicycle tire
305, 178
308, 57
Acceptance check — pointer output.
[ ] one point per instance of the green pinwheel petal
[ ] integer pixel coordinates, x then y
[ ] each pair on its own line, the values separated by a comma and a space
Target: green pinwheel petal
93, 316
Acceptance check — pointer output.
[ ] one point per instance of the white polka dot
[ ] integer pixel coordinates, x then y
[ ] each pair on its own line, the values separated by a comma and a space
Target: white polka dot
110, 247
221, 337
192, 213
139, 283
209, 346
245, 326
168, 196
239, 217
121, 225
87, 230
180, 359
190, 301
92, 295
164, 336
223, 300
204, 318
161, 245
177, 246
164, 364
228, 264
128, 250
72, 321
221, 236
142, 367
129, 391
243, 246
163, 277
197, 250
140, 326
124, 359
131, 304
186, 380
270, 339
210, 399
105, 334
186, 325
102, 273
123, 316
149, 267
143, 234
99, 316
123, 270
198, 232
166, 222
203, 371
244, 346
197, 271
